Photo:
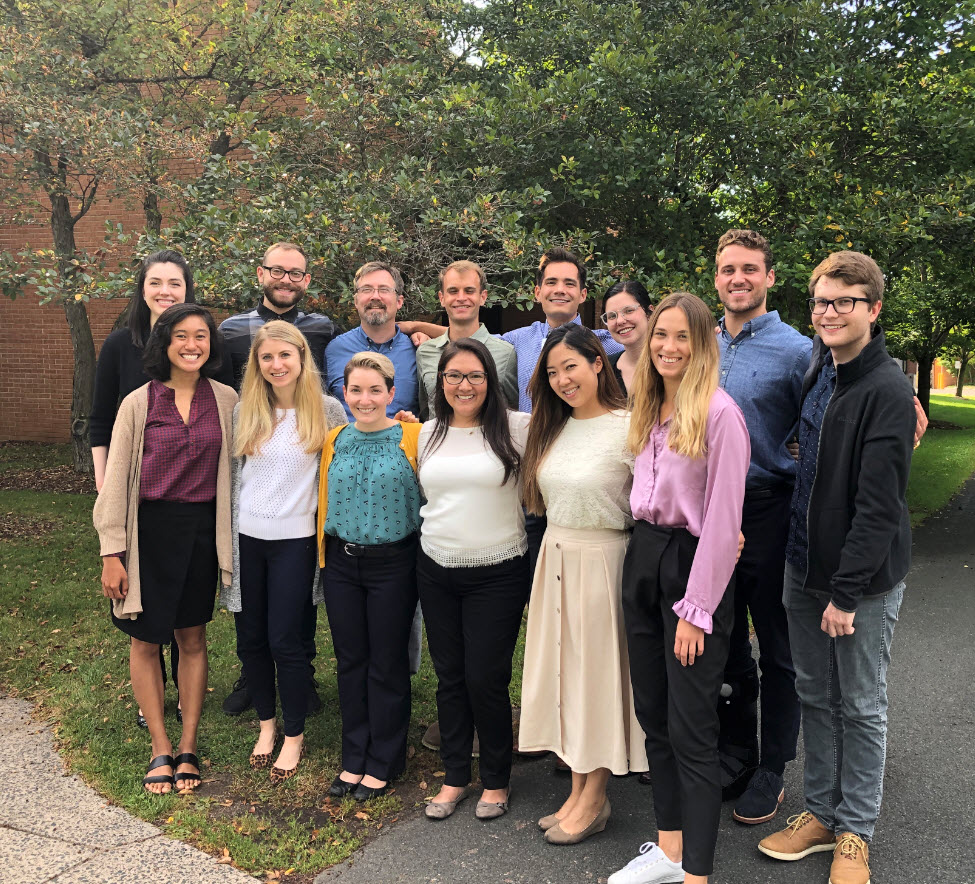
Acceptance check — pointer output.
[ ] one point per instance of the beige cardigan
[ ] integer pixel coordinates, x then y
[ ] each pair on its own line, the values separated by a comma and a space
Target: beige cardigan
116, 513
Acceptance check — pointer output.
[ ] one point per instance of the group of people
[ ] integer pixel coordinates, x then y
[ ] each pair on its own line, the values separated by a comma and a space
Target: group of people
605, 478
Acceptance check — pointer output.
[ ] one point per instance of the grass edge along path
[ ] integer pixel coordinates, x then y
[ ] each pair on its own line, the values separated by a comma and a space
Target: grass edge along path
59, 650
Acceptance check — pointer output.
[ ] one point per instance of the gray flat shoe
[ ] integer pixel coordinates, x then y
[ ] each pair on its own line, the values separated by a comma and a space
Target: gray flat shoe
546, 822
491, 810
440, 810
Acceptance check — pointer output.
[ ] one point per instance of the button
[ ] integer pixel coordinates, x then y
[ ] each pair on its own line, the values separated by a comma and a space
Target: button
557, 577
558, 546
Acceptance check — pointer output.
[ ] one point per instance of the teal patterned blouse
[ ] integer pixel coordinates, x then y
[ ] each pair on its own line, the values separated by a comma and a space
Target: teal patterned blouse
373, 494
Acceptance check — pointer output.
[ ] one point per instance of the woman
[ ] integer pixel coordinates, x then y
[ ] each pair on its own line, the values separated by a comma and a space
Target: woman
627, 309
368, 516
692, 453
279, 429
163, 521
164, 279
576, 696
472, 570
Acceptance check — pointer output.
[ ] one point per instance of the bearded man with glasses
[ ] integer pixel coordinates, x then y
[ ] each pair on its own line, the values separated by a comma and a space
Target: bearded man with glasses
283, 276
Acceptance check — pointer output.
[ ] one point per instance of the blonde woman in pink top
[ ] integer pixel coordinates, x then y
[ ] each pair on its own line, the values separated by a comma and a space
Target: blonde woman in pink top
692, 454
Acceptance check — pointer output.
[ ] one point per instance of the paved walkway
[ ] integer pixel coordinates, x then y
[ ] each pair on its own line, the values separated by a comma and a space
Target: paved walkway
54, 828
924, 835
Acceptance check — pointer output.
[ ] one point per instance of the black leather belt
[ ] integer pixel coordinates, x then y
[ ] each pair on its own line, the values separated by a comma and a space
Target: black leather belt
373, 550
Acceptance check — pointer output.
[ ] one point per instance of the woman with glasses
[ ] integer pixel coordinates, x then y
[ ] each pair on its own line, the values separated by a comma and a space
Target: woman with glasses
279, 431
692, 455
472, 569
368, 516
628, 308
576, 695
163, 522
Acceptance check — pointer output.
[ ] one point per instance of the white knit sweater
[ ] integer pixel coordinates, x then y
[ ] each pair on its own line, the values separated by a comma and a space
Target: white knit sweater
279, 486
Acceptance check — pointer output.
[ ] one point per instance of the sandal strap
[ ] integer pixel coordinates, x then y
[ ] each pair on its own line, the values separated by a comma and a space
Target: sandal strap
159, 778
187, 758
161, 761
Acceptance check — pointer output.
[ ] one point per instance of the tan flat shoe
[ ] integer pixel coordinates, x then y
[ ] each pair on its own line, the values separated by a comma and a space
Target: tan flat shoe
556, 835
440, 810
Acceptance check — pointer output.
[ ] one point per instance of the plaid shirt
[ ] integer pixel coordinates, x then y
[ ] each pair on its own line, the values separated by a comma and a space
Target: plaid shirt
179, 460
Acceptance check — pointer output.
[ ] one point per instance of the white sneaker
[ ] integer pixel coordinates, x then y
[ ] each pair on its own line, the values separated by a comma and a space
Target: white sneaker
650, 867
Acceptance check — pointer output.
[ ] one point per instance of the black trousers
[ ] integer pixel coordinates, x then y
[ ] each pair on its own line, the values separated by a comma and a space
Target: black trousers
276, 579
472, 617
676, 705
370, 604
758, 589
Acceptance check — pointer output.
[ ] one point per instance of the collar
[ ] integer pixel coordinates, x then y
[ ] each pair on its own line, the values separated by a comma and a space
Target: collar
482, 334
874, 354
267, 314
753, 325
576, 320
360, 332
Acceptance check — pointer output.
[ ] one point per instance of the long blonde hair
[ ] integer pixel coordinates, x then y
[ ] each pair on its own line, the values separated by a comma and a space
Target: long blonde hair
693, 399
256, 419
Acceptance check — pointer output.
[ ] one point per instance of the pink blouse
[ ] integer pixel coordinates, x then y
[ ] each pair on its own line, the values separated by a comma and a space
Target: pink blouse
703, 495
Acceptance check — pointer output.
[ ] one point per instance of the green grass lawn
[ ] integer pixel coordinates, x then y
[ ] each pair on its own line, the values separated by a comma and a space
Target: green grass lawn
59, 650
945, 458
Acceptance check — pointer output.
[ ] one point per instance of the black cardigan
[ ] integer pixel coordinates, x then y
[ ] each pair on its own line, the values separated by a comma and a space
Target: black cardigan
859, 526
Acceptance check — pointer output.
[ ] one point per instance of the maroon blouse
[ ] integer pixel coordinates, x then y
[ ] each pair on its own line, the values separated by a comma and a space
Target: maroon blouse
179, 460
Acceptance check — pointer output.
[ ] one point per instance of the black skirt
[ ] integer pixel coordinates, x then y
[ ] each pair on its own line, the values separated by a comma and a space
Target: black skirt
178, 569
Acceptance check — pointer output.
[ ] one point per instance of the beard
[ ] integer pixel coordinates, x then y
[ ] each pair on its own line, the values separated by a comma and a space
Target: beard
279, 298
376, 316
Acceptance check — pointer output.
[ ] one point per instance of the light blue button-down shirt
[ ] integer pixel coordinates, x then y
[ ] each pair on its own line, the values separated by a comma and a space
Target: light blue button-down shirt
398, 348
762, 369
528, 343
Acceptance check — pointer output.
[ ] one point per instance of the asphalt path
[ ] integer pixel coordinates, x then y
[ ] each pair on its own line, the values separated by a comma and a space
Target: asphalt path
925, 830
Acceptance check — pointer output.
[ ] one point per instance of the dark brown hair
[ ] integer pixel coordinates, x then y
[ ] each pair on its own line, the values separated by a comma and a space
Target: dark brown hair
747, 239
558, 255
494, 413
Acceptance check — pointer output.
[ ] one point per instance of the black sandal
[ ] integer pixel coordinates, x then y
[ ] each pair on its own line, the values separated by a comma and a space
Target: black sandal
155, 764
187, 758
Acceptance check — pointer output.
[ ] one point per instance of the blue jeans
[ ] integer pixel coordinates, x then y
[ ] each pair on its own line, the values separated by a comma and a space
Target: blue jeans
842, 686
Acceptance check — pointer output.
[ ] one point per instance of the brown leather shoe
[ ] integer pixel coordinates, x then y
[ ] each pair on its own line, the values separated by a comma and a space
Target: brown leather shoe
804, 835
850, 861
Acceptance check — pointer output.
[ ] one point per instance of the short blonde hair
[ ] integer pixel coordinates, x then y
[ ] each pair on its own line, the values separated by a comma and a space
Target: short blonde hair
463, 267
375, 362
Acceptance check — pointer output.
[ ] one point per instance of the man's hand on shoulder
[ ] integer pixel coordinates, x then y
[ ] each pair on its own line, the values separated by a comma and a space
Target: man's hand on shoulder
418, 338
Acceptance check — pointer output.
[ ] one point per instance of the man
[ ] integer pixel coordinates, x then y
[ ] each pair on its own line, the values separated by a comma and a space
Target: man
762, 365
378, 295
283, 276
560, 289
462, 291
848, 553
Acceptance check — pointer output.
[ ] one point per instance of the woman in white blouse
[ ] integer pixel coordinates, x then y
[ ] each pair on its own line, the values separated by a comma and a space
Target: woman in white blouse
279, 428
472, 569
576, 695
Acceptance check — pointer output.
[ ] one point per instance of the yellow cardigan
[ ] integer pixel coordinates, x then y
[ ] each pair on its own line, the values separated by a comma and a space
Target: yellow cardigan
409, 443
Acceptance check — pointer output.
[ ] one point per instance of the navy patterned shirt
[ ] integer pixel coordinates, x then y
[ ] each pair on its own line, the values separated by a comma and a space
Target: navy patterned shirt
810, 423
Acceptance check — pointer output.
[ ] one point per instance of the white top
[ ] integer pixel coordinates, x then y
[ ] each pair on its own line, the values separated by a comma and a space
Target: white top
470, 519
587, 474
279, 485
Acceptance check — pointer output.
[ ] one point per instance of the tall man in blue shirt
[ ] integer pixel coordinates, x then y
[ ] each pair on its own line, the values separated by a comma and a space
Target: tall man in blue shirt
378, 295
762, 365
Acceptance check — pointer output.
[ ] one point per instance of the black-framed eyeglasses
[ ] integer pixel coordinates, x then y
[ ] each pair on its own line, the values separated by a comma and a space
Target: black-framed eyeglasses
625, 313
474, 378
818, 306
281, 273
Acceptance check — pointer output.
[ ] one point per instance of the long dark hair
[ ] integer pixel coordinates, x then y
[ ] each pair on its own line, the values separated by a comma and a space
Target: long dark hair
139, 316
550, 412
494, 411
155, 359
